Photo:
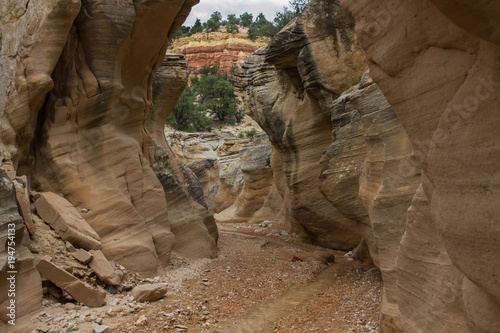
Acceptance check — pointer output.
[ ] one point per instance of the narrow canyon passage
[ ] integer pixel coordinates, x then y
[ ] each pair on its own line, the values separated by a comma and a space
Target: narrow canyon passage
254, 286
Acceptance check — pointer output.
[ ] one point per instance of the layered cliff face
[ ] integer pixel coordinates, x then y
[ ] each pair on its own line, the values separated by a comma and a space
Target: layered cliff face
437, 62
223, 49
77, 77
190, 220
418, 177
20, 281
366, 177
257, 177
294, 99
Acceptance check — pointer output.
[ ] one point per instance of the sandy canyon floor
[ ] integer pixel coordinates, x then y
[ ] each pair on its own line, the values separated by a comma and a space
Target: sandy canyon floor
253, 286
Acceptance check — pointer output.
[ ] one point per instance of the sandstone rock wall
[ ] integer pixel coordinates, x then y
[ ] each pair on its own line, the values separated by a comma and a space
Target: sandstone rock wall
364, 176
20, 281
437, 62
292, 104
257, 184
191, 222
77, 88
418, 177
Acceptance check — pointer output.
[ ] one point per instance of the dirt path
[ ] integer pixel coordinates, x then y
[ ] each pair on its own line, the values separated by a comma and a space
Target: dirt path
262, 316
253, 286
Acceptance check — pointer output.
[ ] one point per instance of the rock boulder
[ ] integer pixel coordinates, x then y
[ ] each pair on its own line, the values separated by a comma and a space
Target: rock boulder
60, 214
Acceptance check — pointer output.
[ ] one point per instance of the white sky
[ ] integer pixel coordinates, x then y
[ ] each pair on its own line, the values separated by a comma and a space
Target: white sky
205, 8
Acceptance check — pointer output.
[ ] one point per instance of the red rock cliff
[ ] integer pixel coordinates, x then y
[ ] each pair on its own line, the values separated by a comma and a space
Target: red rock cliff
223, 49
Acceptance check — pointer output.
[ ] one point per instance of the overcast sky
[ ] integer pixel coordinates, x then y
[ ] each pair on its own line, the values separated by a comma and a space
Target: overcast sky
238, 7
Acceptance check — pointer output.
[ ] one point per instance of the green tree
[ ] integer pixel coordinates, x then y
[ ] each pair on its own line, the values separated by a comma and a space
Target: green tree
232, 24
212, 25
216, 16
185, 116
197, 27
232, 19
216, 94
282, 18
246, 19
261, 27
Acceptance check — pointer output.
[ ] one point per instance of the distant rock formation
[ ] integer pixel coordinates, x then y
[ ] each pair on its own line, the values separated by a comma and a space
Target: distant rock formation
438, 64
289, 87
257, 177
190, 220
223, 49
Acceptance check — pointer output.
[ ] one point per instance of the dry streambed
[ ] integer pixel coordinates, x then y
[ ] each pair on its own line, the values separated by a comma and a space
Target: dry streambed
253, 286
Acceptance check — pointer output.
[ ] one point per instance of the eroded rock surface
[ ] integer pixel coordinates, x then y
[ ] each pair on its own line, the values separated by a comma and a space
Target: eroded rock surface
191, 222
77, 88
316, 58
443, 81
222, 49
20, 281
257, 176
370, 175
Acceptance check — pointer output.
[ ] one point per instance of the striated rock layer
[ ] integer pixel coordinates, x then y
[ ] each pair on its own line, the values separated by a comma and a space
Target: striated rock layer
257, 184
77, 88
223, 49
438, 64
190, 220
365, 178
292, 104
20, 284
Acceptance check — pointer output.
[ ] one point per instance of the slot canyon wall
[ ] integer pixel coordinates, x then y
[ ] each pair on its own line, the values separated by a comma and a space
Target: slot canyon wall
437, 63
407, 161
77, 89
289, 92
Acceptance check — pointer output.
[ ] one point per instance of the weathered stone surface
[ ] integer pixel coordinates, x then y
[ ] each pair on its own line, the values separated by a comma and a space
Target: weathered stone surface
79, 75
23, 201
199, 152
28, 285
79, 290
149, 292
220, 48
82, 256
168, 84
316, 60
226, 190
103, 268
443, 83
257, 181
366, 177
191, 222
60, 214
101, 329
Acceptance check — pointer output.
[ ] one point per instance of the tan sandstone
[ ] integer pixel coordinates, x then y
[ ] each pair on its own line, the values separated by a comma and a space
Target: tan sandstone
79, 290
437, 62
290, 86
60, 214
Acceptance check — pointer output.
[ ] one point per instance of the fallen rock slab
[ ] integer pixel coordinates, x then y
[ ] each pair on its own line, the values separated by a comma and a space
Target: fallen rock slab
82, 256
101, 329
79, 290
23, 201
103, 269
63, 217
149, 292
322, 256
